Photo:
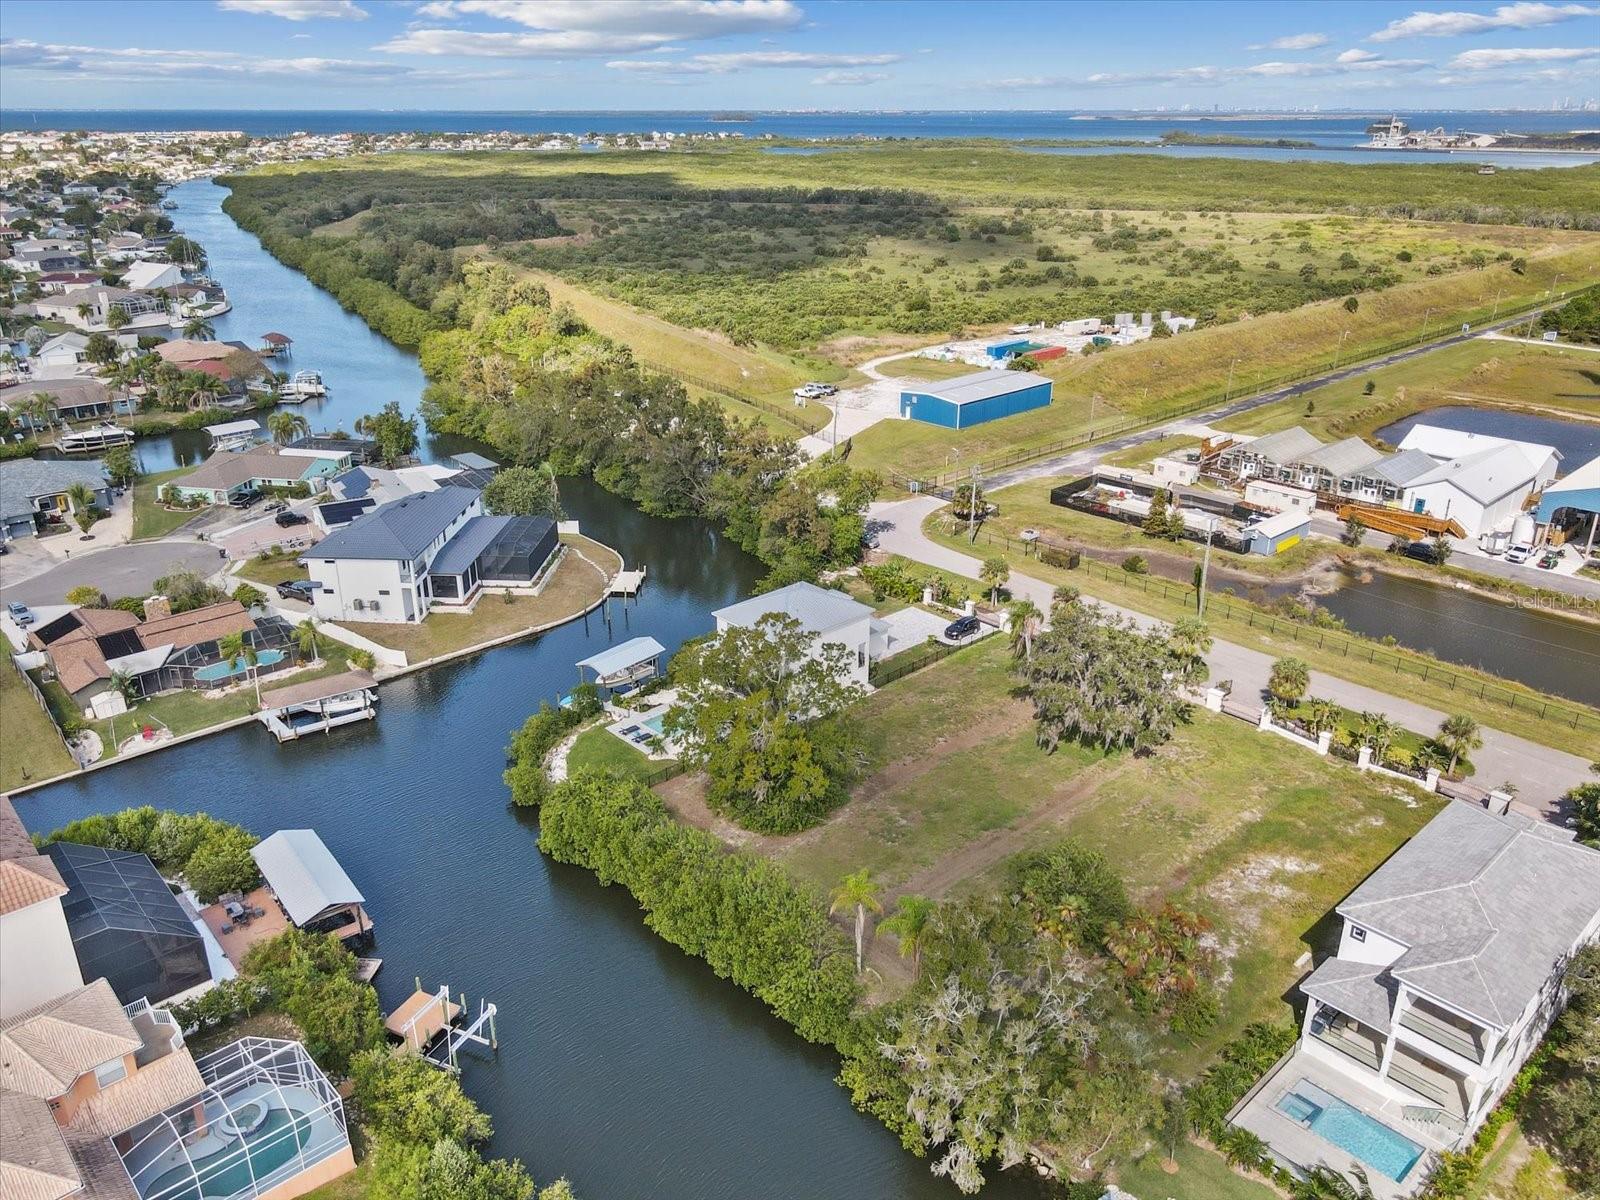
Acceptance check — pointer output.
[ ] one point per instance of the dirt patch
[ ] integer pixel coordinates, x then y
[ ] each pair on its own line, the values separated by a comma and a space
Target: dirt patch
854, 348
1244, 893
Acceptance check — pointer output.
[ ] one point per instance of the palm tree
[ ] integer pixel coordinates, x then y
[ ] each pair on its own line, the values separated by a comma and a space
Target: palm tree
81, 499
40, 409
1024, 619
910, 925
1065, 593
856, 890
305, 635
1459, 735
1379, 732
1322, 1182
201, 328
1321, 715
235, 650
1191, 640
286, 426
1290, 679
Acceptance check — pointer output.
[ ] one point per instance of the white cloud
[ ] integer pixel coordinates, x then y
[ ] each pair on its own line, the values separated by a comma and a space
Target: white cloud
298, 10
720, 64
1356, 63
848, 78
1525, 14
566, 28
1489, 60
1355, 56
148, 66
1295, 41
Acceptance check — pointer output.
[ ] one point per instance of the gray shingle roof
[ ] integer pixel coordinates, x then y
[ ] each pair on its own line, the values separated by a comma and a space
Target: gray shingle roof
1488, 907
24, 478
402, 528
980, 385
817, 609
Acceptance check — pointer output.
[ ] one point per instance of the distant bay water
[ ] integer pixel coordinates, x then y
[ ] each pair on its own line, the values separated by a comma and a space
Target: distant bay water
1334, 136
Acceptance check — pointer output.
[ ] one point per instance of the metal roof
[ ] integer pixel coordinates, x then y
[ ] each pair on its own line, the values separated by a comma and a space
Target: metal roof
303, 874
1487, 906
817, 609
1279, 524
402, 528
624, 655
1439, 442
469, 461
1400, 469
1485, 476
471, 540
980, 385
1580, 489
1285, 446
1343, 458
229, 428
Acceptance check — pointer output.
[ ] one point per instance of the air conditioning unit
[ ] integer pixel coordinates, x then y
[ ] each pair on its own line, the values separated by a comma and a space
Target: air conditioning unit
373, 605
357, 604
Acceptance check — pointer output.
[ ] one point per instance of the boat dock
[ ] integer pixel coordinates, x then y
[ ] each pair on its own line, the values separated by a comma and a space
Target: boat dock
318, 705
94, 438
422, 1017
627, 583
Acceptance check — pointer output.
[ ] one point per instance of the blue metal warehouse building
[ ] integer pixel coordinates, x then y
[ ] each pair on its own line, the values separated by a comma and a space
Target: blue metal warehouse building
973, 399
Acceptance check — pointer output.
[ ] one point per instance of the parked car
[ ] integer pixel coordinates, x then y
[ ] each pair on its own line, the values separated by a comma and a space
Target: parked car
243, 499
814, 391
1422, 552
1519, 554
274, 506
297, 589
961, 627
286, 519
19, 613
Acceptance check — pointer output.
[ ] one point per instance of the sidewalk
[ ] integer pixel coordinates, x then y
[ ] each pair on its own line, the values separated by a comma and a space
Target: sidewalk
1541, 774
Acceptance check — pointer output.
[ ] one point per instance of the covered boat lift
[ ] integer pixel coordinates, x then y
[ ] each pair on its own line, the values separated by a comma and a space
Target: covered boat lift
625, 665
318, 705
310, 885
233, 435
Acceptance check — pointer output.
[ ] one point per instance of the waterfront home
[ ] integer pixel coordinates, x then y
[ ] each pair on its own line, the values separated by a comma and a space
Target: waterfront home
37, 962
88, 308
127, 927
152, 276
382, 484
831, 616
397, 561
34, 493
65, 281
80, 398
310, 886
165, 651
230, 474
1447, 975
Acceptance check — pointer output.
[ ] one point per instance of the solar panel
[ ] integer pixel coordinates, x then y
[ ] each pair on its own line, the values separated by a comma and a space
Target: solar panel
119, 644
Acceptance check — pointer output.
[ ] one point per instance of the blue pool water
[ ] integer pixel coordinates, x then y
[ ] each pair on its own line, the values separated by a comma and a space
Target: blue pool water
1371, 1142
268, 1147
653, 724
223, 670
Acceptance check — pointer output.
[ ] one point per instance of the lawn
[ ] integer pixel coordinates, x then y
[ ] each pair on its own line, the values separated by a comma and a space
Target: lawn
269, 569
1202, 1175
924, 368
30, 747
576, 585
150, 518
601, 749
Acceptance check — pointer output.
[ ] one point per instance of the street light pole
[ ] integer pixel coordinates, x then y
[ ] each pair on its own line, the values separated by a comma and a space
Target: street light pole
1228, 390
1205, 564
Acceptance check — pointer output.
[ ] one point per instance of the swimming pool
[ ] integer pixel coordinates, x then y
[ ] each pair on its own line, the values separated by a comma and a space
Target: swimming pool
653, 724
225, 670
1371, 1142
274, 1142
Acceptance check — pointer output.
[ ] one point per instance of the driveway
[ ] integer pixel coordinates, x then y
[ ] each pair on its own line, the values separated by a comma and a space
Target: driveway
129, 570
1541, 774
909, 627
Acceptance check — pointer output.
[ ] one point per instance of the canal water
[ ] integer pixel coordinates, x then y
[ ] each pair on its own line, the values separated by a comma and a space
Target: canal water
1578, 441
624, 1064
1537, 646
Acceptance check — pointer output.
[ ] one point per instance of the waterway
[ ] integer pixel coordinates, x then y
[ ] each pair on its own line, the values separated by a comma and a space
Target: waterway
624, 1064
1577, 441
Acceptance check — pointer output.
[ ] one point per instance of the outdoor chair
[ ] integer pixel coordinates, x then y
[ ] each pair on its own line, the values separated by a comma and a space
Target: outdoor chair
630, 731
227, 927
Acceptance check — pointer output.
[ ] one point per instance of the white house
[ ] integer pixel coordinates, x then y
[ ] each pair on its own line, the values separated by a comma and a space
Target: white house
832, 616
37, 961
149, 276
1447, 976
1483, 491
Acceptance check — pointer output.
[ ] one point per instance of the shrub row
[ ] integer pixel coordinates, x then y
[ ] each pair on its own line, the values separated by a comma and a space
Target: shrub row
212, 856
540, 734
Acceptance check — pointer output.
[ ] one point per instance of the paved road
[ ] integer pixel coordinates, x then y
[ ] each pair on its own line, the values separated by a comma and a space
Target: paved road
1540, 773
129, 570
1078, 461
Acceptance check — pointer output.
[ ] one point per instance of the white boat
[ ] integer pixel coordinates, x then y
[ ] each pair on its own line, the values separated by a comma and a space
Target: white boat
93, 438
305, 385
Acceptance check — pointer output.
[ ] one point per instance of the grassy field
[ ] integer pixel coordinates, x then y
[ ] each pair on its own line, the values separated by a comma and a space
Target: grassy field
1201, 1175
150, 518
30, 748
1424, 678
269, 570
576, 585
1256, 834
601, 749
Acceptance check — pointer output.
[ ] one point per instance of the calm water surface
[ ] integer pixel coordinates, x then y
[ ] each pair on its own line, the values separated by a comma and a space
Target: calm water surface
624, 1064
1578, 441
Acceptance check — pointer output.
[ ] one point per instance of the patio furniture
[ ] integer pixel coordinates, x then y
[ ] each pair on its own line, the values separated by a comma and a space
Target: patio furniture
234, 909
227, 927
257, 911
629, 731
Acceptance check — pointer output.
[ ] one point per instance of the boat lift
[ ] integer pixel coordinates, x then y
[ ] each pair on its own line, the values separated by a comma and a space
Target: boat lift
430, 1023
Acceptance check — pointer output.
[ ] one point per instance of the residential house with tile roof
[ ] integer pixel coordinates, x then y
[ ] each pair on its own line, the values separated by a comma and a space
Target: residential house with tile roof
36, 956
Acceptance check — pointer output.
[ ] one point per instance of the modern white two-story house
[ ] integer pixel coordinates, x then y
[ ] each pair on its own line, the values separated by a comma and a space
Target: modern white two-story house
1447, 976
831, 616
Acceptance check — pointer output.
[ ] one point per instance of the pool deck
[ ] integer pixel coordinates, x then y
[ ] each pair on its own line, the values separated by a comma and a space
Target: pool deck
1297, 1146
624, 718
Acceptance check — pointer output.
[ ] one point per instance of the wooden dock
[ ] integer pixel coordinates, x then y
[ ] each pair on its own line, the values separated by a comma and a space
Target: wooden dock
422, 1018
627, 583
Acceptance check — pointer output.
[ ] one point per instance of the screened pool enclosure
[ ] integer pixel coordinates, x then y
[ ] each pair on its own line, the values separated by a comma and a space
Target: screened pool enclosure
267, 1114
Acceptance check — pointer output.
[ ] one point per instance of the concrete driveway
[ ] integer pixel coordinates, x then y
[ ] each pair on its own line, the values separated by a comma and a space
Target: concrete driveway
129, 570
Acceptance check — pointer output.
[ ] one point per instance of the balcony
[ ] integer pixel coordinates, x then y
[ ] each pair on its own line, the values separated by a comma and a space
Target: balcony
1349, 1036
1430, 1081
158, 1030
1447, 1031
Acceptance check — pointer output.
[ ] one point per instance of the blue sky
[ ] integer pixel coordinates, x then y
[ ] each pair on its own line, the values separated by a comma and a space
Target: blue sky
689, 54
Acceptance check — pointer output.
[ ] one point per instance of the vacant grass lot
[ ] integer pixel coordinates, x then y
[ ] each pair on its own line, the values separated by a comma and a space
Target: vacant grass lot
1201, 1175
268, 570
601, 749
30, 748
577, 584
150, 518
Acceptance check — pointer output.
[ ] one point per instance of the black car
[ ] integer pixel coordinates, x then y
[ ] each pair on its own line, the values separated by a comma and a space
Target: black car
297, 589
286, 519
243, 499
962, 627
1422, 552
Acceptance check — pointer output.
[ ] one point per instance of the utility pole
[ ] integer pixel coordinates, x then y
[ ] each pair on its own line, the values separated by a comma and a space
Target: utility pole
836, 424
1339, 353
1425, 317
1205, 564
1496, 312
1228, 391
972, 506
